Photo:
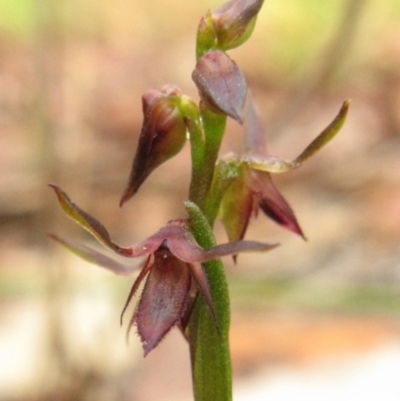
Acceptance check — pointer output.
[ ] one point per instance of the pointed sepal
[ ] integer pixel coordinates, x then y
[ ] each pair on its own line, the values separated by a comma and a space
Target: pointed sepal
88, 222
272, 203
96, 257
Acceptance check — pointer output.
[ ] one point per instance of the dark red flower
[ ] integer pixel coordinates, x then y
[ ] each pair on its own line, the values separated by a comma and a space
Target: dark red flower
253, 188
173, 267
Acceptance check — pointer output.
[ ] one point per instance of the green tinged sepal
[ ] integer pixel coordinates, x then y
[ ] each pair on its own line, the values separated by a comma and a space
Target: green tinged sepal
162, 136
237, 206
206, 36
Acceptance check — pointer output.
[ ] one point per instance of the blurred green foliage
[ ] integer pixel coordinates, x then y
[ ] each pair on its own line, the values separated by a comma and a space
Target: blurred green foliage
17, 17
297, 295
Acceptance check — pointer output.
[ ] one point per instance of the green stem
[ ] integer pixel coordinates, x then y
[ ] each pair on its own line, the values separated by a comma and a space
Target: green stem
205, 152
209, 349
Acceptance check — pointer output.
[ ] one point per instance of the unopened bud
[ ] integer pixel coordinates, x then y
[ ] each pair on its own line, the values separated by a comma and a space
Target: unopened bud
228, 26
221, 84
162, 136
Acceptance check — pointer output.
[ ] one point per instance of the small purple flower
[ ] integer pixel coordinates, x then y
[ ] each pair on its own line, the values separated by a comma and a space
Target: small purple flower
172, 270
253, 188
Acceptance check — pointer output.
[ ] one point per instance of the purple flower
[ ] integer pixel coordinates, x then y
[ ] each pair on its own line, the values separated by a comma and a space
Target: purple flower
253, 188
173, 270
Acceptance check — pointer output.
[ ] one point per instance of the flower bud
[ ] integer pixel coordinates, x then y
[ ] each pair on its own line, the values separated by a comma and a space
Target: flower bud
221, 85
162, 136
234, 22
228, 26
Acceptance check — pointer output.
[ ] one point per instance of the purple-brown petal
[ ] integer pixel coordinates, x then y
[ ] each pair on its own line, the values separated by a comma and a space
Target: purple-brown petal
201, 280
256, 140
163, 299
272, 203
221, 84
146, 268
183, 246
98, 258
88, 222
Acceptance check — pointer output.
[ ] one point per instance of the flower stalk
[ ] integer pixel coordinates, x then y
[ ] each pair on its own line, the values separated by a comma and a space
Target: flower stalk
184, 279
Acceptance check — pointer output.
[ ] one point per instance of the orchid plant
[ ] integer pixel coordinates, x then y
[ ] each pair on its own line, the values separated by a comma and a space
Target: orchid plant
184, 279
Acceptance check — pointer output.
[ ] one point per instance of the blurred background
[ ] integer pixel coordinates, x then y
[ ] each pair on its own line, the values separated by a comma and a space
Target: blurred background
316, 319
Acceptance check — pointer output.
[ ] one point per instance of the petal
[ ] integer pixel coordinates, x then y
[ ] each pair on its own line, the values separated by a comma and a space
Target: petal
93, 256
257, 159
201, 280
269, 164
256, 140
326, 135
146, 268
272, 203
221, 84
152, 243
184, 247
88, 222
163, 299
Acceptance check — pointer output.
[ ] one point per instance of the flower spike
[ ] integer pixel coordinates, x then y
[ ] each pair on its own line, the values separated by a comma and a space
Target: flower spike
172, 268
